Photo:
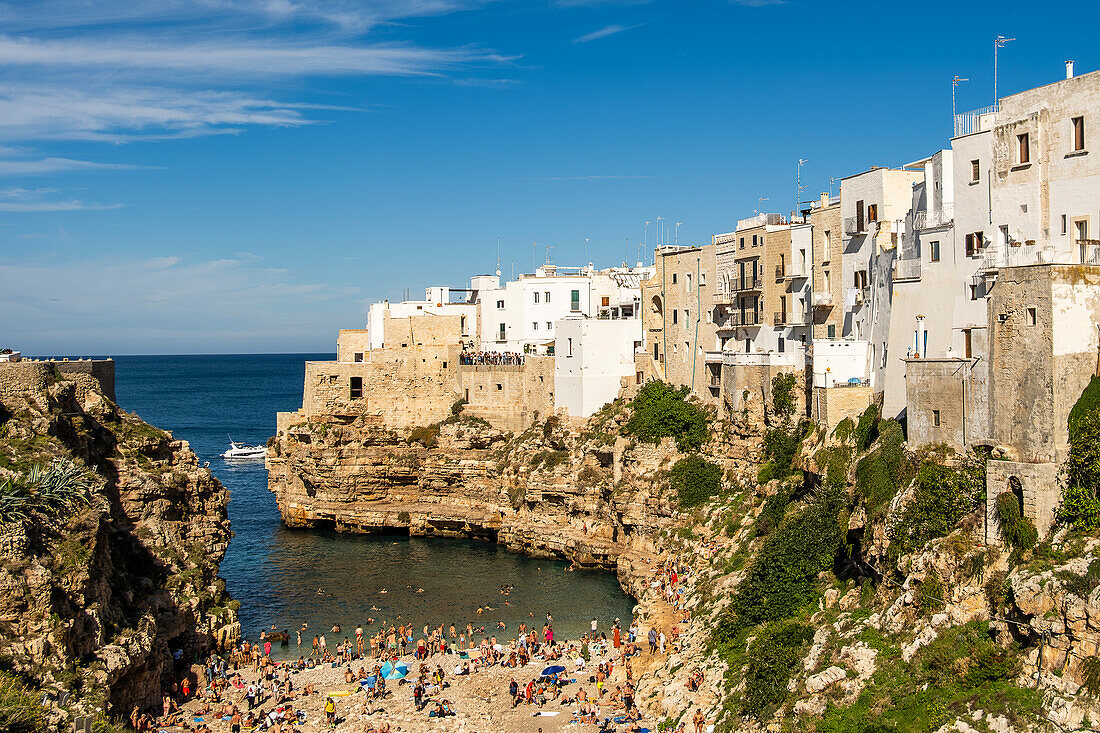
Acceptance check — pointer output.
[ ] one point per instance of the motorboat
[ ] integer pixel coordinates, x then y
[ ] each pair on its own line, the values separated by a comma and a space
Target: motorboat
244, 450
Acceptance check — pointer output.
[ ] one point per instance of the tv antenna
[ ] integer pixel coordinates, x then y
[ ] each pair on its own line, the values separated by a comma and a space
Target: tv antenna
998, 43
954, 85
760, 203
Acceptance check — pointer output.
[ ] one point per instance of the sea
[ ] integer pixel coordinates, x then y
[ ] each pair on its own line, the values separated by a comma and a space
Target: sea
285, 578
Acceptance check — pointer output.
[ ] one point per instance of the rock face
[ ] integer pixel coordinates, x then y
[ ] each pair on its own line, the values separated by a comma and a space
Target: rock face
549, 492
96, 600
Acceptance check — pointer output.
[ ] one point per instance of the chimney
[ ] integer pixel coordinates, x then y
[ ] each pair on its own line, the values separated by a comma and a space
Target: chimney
1069, 69
824, 200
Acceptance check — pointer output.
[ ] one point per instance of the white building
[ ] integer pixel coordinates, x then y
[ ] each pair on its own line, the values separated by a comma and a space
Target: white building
592, 357
521, 317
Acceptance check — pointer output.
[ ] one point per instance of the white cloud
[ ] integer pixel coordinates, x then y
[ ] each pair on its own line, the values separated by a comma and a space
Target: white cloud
604, 32
10, 166
37, 200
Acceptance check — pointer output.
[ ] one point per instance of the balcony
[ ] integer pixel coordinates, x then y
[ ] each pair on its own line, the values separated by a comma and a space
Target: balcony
935, 218
712, 357
822, 299
747, 284
907, 269
748, 318
725, 298
970, 122
1081, 252
853, 226
789, 318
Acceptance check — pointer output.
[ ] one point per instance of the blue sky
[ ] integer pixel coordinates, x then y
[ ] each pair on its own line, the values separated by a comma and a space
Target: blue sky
188, 176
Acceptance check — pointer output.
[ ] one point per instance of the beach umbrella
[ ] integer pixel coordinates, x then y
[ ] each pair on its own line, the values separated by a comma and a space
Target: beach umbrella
552, 670
397, 674
386, 669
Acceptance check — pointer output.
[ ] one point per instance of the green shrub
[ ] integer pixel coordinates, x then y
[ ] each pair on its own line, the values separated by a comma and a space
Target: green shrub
46, 491
1079, 508
783, 395
19, 708
1079, 503
457, 405
879, 474
549, 459
661, 411
1090, 676
943, 496
1017, 530
695, 480
1081, 584
845, 430
773, 511
931, 598
781, 445
783, 575
867, 428
773, 656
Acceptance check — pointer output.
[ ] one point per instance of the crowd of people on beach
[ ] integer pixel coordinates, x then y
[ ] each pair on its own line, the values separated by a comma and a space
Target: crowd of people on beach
248, 691
490, 358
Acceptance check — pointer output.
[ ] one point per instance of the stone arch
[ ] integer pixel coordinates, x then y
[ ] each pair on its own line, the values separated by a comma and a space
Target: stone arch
1017, 489
658, 308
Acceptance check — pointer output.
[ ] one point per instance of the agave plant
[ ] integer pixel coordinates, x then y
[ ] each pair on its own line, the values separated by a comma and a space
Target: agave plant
49, 490
62, 486
14, 500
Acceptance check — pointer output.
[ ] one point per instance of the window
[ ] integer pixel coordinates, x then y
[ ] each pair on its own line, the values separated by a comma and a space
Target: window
782, 344
656, 353
605, 300
831, 330
534, 325
934, 251
358, 357
935, 418
828, 242
549, 326
968, 344
1078, 133
501, 337
973, 291
1065, 226
500, 387
500, 305
1081, 229
546, 297
975, 171
536, 296
675, 316
1031, 316
859, 215
1023, 148
742, 246
825, 278
754, 240
571, 347
674, 278
872, 212
574, 300
974, 243
356, 387
702, 279
687, 316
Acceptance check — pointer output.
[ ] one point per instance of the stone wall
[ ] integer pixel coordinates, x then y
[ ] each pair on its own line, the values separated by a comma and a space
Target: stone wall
407, 386
946, 402
508, 396
748, 391
1038, 482
33, 375
830, 405
1042, 353
353, 344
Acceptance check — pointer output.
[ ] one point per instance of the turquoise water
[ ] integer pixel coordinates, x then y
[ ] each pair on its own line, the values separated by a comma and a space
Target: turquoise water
276, 572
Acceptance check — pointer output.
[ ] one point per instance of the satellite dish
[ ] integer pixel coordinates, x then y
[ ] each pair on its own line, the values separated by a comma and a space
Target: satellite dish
498, 272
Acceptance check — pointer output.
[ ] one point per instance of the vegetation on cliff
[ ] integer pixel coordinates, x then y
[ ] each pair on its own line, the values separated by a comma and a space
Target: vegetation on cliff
661, 411
110, 538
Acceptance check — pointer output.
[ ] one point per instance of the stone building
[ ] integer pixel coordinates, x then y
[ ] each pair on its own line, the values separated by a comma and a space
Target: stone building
677, 320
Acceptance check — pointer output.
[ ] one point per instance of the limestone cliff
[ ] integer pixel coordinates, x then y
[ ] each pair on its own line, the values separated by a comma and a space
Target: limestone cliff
94, 601
840, 582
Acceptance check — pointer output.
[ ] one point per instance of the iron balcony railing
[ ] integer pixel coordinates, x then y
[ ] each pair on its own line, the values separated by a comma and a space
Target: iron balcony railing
935, 218
748, 318
750, 282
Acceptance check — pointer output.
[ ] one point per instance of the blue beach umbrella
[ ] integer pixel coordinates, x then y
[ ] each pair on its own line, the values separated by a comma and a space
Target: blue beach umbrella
552, 670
